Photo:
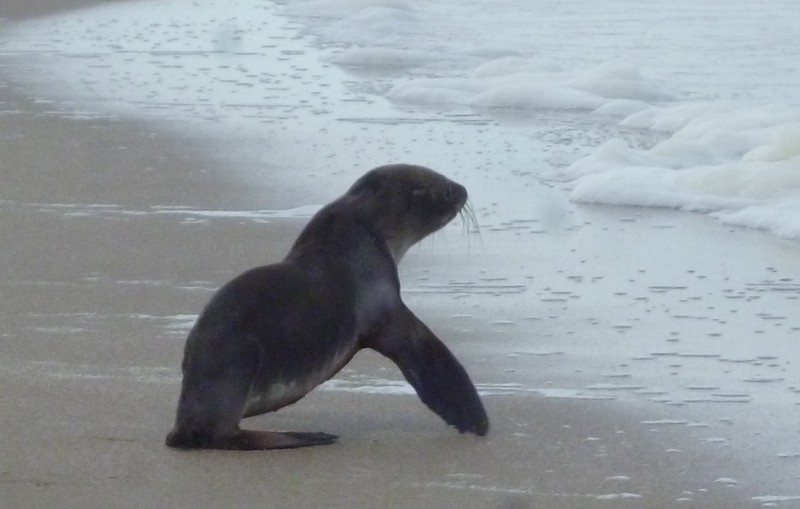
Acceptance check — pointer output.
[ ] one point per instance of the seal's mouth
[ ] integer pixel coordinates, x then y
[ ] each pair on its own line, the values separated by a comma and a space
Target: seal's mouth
453, 196
467, 214
450, 207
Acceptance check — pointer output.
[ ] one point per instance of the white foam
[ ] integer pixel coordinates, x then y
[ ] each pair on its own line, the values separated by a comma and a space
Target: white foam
368, 385
739, 162
618, 496
520, 83
374, 385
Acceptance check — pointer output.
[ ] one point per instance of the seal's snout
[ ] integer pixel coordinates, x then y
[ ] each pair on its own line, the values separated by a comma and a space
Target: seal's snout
455, 194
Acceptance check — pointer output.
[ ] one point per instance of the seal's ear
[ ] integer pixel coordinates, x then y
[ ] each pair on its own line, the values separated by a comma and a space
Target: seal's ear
440, 380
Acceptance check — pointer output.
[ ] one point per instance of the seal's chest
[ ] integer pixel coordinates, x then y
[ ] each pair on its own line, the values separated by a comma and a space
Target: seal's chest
372, 304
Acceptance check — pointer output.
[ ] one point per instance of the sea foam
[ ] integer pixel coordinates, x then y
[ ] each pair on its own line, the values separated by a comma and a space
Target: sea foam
519, 83
741, 163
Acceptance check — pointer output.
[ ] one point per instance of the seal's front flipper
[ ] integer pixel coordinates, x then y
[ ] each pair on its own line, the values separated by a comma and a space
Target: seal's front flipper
440, 380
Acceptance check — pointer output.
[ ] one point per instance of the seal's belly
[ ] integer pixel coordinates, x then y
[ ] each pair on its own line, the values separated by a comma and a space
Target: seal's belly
277, 393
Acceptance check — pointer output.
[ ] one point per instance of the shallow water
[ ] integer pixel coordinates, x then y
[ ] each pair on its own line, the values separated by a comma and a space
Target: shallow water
681, 106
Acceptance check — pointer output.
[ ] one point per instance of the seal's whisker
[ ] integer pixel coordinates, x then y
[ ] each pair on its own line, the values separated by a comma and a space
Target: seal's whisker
468, 219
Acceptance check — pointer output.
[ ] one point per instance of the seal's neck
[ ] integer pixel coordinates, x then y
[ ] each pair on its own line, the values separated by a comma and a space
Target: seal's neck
398, 246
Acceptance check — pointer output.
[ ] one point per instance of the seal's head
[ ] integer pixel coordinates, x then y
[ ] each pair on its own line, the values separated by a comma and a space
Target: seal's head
405, 203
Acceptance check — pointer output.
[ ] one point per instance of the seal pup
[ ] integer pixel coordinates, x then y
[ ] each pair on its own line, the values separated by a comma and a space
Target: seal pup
273, 333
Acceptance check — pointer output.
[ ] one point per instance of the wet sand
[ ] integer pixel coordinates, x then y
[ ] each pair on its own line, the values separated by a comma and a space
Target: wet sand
99, 289
26, 9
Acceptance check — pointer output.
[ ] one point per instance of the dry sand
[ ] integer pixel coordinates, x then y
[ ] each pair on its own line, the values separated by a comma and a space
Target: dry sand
95, 308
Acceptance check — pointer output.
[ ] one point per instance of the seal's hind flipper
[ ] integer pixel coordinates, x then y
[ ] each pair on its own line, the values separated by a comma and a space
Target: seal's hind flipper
255, 440
249, 440
440, 380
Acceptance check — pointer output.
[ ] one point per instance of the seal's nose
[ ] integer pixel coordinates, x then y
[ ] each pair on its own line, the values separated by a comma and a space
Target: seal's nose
455, 193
